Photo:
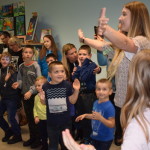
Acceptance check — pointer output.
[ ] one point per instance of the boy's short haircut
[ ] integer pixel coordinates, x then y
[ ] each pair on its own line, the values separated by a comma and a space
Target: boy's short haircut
86, 47
29, 46
41, 78
54, 63
6, 54
51, 55
104, 80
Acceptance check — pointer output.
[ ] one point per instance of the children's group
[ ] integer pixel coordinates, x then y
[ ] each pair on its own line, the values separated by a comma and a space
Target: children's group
59, 91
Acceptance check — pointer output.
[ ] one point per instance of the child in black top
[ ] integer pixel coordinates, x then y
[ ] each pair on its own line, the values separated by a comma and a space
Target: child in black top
9, 100
58, 93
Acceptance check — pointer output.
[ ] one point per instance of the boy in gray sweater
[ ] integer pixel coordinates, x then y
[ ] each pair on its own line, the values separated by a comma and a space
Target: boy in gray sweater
29, 70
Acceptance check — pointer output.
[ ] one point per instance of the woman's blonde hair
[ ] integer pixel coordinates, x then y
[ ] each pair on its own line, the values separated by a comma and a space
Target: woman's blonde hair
138, 92
15, 40
140, 25
65, 49
54, 49
140, 19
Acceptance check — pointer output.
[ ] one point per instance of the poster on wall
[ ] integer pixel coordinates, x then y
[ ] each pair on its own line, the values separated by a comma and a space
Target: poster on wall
7, 10
20, 25
1, 24
32, 27
8, 23
45, 32
21, 8
1, 11
15, 9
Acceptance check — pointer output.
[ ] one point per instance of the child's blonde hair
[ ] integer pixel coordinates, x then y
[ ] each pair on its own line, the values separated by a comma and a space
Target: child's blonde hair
103, 80
138, 93
6, 54
41, 78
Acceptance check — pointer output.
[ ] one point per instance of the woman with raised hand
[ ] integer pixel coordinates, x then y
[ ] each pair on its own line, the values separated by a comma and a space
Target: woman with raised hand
135, 22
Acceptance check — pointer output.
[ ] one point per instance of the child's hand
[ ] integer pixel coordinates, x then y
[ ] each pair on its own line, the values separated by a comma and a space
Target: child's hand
80, 64
15, 85
8, 75
96, 115
27, 95
81, 117
74, 70
42, 97
36, 120
97, 70
76, 84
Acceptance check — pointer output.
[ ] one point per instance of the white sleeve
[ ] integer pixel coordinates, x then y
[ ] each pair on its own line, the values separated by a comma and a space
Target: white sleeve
134, 138
141, 43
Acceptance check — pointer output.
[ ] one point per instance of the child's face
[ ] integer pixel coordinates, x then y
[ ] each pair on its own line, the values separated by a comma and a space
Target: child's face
13, 46
27, 54
49, 60
5, 61
57, 74
38, 85
47, 42
103, 91
83, 54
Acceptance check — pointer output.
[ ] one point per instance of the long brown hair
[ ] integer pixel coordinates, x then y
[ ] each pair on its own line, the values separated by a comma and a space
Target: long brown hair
140, 19
140, 25
65, 50
138, 92
54, 49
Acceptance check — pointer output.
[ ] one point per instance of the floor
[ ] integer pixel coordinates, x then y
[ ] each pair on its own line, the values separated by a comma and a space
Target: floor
18, 146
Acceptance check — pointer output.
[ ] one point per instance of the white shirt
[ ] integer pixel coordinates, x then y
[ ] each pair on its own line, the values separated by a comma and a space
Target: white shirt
134, 137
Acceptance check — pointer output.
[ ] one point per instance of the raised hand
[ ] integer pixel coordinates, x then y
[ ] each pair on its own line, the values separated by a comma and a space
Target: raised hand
42, 97
71, 144
80, 35
76, 84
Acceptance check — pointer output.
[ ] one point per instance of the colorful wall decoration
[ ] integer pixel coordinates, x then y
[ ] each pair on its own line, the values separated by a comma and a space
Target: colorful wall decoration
12, 18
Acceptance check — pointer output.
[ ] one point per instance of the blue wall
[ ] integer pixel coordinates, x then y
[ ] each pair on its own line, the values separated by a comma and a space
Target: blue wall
66, 16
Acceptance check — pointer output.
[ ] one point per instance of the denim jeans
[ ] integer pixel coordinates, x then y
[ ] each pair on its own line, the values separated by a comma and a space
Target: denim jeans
101, 145
9, 105
55, 135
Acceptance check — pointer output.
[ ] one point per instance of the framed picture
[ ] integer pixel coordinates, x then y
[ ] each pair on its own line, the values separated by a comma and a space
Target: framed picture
22, 38
8, 23
21, 8
15, 9
45, 32
32, 27
20, 25
1, 11
7, 10
1, 24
